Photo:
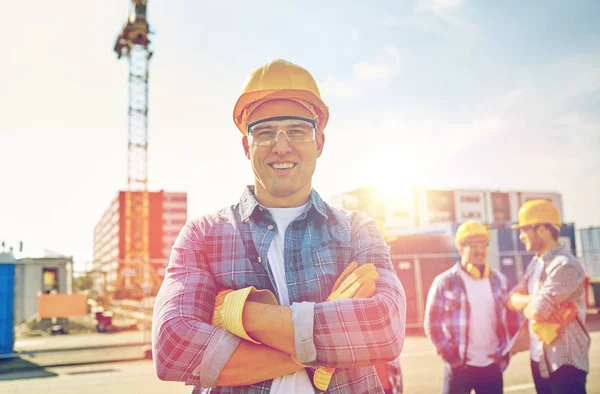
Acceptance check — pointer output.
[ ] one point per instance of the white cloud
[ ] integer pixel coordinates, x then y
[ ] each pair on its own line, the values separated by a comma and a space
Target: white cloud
388, 64
387, 68
354, 34
434, 16
439, 7
332, 87
369, 72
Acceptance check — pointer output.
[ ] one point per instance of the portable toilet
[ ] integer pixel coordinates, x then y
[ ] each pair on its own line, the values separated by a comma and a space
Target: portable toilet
7, 291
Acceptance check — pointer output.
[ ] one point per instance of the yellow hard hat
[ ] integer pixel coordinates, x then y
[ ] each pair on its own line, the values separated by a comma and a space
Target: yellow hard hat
280, 79
538, 212
470, 229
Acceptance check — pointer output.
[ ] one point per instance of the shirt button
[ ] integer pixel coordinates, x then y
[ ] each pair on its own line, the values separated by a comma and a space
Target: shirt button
554, 367
554, 349
270, 227
260, 209
259, 259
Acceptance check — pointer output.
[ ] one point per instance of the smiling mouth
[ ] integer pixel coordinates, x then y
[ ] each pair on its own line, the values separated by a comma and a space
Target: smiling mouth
282, 166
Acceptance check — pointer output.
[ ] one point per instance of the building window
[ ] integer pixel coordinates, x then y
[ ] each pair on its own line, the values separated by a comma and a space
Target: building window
49, 280
470, 199
471, 215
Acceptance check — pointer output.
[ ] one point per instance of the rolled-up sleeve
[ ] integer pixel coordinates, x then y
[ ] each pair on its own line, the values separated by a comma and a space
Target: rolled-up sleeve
354, 332
185, 346
565, 278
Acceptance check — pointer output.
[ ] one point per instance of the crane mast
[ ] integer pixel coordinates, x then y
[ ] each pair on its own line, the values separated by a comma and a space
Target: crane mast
133, 44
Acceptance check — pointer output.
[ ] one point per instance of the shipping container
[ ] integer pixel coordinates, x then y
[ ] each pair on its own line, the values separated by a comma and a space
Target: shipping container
418, 259
470, 205
7, 290
567, 236
590, 239
500, 207
421, 244
590, 251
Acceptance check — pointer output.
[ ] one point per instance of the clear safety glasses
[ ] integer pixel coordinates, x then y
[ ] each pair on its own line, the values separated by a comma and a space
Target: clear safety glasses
296, 130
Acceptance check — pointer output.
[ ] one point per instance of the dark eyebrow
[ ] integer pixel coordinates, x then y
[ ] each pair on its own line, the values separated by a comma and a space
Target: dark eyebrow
260, 127
301, 124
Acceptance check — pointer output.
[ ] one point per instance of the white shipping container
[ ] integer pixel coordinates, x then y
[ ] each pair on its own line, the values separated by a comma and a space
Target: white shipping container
470, 205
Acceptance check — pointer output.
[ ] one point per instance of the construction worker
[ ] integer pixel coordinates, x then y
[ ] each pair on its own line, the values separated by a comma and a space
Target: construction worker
551, 297
465, 317
260, 294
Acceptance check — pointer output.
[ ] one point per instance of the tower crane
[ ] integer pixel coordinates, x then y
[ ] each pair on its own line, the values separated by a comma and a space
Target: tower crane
134, 274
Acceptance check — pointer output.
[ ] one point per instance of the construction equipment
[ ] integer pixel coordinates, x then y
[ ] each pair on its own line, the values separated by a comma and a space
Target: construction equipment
133, 277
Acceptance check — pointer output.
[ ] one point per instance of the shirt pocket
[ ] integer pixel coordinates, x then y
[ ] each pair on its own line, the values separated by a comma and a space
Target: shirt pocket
328, 261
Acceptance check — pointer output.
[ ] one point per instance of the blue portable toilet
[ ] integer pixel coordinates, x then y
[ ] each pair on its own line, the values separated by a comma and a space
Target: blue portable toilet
7, 296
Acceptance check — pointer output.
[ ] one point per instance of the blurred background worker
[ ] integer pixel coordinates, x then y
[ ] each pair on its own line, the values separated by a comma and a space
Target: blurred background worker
465, 317
552, 297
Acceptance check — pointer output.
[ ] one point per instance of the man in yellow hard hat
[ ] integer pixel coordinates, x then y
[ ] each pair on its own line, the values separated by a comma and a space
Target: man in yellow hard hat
550, 290
260, 294
465, 317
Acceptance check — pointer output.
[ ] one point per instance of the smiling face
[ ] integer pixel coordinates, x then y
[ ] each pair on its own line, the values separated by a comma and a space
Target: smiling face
474, 251
282, 171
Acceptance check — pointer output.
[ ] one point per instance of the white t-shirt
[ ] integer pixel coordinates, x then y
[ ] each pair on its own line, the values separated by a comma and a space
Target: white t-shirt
298, 382
483, 340
532, 288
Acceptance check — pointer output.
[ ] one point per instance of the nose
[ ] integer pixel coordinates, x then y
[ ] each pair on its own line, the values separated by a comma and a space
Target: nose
282, 144
522, 237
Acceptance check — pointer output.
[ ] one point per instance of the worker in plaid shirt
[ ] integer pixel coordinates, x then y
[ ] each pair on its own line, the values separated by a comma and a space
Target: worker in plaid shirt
465, 317
263, 268
551, 296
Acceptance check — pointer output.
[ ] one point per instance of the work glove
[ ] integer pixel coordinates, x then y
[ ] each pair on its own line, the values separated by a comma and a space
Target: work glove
229, 306
354, 282
547, 330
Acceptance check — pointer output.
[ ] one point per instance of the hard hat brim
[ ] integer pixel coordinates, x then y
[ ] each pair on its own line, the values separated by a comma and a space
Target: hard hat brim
534, 224
262, 95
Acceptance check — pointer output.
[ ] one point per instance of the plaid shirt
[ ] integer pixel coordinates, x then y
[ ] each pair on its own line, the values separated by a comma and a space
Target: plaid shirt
228, 249
447, 315
561, 280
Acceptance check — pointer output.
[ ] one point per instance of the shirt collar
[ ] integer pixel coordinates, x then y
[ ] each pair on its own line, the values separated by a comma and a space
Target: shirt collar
248, 203
548, 257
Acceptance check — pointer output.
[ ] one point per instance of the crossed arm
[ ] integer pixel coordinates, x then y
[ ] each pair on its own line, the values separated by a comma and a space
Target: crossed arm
187, 348
560, 284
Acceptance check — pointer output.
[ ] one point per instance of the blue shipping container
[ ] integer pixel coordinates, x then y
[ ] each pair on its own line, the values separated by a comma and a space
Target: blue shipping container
7, 289
507, 240
568, 230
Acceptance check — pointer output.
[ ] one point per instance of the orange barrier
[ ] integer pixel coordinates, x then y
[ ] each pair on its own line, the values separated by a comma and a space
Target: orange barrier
61, 305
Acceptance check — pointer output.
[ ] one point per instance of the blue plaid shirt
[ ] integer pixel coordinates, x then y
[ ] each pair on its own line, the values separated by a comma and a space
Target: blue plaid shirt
228, 249
447, 315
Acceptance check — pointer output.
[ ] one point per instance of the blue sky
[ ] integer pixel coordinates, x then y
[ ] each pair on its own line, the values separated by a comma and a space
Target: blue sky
452, 93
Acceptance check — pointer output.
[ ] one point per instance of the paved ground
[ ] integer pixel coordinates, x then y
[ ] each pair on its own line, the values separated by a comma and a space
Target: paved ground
421, 366
113, 378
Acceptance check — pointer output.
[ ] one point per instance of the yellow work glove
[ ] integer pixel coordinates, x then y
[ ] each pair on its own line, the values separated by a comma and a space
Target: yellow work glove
229, 306
354, 282
548, 330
